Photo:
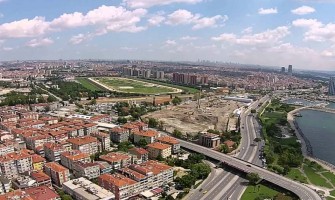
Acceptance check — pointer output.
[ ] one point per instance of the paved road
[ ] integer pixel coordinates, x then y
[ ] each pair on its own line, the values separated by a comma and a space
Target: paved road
302, 191
228, 185
231, 184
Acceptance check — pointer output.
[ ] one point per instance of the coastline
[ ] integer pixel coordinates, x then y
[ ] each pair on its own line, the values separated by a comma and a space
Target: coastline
306, 147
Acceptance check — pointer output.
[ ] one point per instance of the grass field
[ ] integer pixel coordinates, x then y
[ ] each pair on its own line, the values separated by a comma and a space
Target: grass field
330, 176
252, 192
125, 85
315, 178
89, 85
184, 88
295, 174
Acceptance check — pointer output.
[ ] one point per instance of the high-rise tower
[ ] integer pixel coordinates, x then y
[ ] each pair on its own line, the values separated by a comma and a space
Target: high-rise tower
331, 90
290, 70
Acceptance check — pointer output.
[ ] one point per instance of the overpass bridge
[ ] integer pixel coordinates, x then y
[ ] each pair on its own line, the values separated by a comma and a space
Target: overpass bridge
301, 190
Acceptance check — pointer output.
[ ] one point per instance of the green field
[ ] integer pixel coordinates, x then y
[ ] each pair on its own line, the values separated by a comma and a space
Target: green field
89, 85
184, 88
315, 178
252, 192
125, 85
295, 174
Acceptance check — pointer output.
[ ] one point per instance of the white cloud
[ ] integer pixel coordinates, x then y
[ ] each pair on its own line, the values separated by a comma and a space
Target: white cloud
247, 30
128, 48
77, 39
266, 38
24, 28
39, 42
104, 19
1, 15
150, 3
7, 48
263, 11
303, 10
110, 18
316, 30
182, 17
188, 38
156, 20
209, 21
170, 43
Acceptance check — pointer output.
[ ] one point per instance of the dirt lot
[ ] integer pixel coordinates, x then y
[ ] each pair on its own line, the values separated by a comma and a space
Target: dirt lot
188, 118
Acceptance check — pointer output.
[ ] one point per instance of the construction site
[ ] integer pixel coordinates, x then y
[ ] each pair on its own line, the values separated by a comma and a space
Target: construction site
192, 117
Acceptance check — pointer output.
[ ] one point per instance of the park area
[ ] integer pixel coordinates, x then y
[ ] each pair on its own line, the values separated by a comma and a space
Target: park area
125, 85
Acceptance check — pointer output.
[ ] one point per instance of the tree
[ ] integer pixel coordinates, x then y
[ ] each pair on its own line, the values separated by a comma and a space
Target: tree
121, 120
224, 148
185, 181
253, 178
142, 142
177, 133
159, 157
176, 101
124, 146
152, 123
51, 98
257, 139
66, 197
200, 170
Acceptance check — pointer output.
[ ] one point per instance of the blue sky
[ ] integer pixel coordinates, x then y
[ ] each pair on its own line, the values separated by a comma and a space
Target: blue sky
265, 32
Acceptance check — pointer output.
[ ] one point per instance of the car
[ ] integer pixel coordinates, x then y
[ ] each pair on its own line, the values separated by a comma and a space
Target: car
200, 189
248, 165
205, 192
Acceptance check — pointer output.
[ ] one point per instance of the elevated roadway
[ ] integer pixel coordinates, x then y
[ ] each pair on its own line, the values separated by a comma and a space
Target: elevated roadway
302, 191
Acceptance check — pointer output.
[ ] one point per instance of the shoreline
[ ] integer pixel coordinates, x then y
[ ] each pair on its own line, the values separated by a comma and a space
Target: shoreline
306, 147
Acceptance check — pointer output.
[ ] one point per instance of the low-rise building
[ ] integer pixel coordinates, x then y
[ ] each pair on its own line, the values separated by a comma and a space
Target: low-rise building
170, 141
57, 172
86, 144
121, 186
104, 139
159, 149
87, 170
68, 158
33, 193
13, 164
141, 154
105, 167
83, 189
119, 134
38, 162
209, 140
117, 159
148, 135
41, 178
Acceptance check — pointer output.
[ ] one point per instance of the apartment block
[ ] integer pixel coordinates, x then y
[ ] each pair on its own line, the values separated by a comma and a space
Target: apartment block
84, 189
121, 186
175, 144
15, 163
68, 158
52, 151
148, 135
87, 170
159, 149
117, 159
57, 172
209, 140
141, 154
119, 134
86, 144
104, 139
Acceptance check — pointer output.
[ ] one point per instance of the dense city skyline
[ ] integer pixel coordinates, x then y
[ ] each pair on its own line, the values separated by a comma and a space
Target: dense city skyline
280, 33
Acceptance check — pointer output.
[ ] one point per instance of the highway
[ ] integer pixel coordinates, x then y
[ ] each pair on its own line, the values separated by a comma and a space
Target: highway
230, 186
227, 184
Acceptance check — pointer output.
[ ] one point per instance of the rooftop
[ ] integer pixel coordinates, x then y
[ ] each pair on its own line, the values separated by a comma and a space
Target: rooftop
158, 145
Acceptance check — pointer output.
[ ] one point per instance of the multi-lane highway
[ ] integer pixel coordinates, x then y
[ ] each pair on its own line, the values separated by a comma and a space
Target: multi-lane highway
227, 185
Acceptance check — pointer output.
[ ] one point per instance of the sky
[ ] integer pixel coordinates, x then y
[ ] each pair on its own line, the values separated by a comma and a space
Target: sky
264, 32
